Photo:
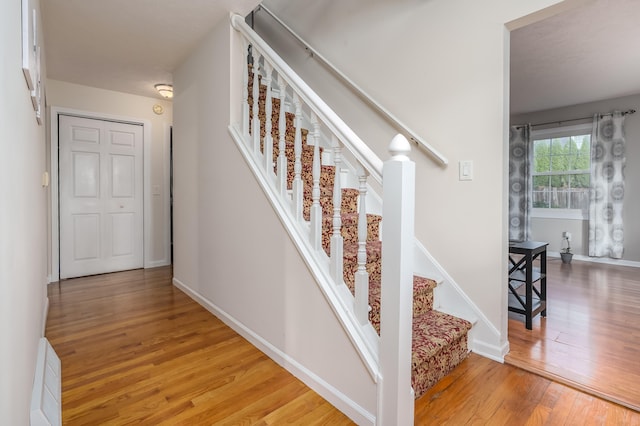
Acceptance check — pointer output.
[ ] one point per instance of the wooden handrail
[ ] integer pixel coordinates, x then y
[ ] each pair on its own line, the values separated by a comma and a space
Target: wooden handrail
399, 125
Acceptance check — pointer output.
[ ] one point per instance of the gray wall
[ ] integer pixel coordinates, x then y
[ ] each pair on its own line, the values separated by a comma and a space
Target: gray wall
551, 229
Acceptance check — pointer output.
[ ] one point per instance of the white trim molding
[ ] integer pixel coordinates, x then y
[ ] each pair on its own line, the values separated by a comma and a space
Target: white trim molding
342, 402
54, 185
603, 260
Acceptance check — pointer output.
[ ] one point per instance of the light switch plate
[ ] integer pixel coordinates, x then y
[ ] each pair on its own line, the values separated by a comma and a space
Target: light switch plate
465, 168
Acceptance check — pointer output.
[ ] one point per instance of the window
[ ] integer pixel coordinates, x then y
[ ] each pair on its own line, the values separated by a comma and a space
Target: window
561, 172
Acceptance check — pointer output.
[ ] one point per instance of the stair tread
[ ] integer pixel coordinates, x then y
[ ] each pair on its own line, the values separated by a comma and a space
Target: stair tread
328, 192
418, 285
349, 200
425, 283
434, 331
374, 250
290, 146
422, 298
352, 217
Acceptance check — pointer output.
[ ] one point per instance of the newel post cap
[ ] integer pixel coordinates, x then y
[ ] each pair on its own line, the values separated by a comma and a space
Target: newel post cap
399, 148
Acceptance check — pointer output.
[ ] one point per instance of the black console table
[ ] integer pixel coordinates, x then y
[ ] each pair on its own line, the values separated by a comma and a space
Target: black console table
523, 273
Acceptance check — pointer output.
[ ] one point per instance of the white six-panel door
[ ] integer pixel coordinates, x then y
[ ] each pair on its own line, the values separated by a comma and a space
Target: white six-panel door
101, 199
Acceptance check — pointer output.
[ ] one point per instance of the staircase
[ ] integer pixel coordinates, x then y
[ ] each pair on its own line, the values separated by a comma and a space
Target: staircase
439, 340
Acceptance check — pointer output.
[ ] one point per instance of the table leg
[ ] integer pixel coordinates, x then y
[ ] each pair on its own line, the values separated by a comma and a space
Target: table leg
529, 292
543, 281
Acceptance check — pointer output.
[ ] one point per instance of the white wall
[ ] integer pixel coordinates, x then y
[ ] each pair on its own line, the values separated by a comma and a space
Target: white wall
230, 248
551, 229
441, 66
23, 232
111, 103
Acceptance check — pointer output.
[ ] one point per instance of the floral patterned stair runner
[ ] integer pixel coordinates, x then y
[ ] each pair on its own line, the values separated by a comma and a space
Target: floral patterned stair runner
439, 340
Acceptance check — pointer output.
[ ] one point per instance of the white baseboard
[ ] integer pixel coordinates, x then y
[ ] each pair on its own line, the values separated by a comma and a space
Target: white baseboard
342, 402
496, 353
605, 260
157, 263
54, 278
45, 314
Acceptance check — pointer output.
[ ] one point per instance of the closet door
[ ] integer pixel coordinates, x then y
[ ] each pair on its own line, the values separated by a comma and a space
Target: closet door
101, 199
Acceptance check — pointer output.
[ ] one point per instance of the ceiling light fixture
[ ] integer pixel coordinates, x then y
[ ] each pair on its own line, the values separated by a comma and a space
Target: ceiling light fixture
165, 90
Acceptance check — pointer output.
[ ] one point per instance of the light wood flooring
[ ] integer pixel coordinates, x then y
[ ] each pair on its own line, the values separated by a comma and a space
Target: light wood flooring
483, 392
136, 350
590, 338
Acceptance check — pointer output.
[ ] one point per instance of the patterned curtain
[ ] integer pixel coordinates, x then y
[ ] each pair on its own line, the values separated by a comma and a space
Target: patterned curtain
606, 236
519, 183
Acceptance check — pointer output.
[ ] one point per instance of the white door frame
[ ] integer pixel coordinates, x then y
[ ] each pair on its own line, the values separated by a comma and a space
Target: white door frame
54, 184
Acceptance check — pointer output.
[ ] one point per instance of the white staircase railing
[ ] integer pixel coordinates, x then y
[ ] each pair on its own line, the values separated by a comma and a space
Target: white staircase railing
388, 357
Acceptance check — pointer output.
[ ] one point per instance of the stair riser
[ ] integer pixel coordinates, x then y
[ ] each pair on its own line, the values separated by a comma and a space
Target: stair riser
429, 372
349, 230
422, 302
351, 266
327, 174
349, 203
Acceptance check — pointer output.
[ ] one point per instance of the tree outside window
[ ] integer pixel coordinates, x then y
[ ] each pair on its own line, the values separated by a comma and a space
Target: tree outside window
561, 172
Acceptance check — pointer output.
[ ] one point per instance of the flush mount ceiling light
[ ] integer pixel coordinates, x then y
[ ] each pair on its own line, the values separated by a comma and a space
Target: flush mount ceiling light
165, 90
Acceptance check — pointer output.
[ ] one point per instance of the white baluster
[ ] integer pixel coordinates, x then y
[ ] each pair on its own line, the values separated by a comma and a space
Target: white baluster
282, 129
397, 285
336, 236
255, 123
316, 209
245, 91
297, 166
268, 139
362, 276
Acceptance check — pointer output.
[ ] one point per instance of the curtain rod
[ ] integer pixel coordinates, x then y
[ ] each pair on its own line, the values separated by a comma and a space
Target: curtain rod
559, 122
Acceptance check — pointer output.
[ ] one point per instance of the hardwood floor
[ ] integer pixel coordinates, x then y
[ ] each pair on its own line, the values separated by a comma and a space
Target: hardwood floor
484, 392
135, 349
591, 336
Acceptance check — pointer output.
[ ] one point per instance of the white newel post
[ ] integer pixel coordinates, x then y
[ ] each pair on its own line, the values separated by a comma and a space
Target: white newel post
396, 397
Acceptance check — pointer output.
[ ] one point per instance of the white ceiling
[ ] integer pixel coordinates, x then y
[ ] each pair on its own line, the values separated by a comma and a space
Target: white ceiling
126, 45
586, 54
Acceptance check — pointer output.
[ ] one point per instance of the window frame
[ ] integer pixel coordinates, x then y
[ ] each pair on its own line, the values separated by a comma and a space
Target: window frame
551, 133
